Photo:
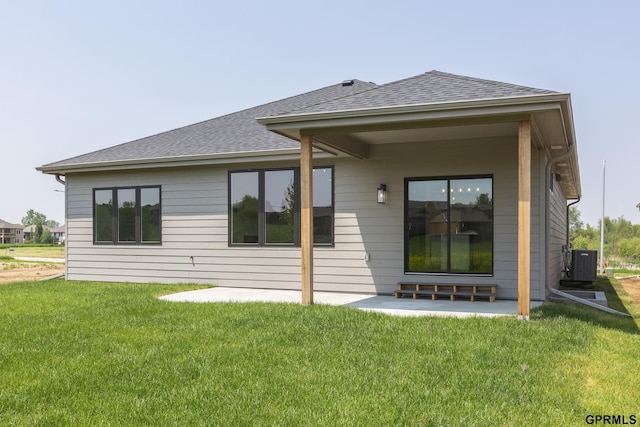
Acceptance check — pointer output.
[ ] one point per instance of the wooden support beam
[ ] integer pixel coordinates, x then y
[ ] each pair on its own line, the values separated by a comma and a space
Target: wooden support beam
306, 217
345, 144
524, 219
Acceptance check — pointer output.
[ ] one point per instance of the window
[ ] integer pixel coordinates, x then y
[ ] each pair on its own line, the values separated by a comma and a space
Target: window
264, 207
127, 215
449, 225
279, 207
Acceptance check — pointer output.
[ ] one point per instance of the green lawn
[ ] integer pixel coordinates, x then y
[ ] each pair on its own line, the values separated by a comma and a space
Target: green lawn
38, 251
82, 353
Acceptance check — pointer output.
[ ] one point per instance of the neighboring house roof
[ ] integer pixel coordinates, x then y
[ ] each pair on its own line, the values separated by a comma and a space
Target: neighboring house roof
61, 229
233, 133
5, 224
31, 228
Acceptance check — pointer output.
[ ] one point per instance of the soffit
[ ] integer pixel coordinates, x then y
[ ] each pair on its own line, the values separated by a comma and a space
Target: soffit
438, 133
353, 132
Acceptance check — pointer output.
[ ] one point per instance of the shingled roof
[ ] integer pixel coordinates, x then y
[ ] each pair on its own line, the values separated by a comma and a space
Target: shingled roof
240, 132
5, 224
232, 133
428, 88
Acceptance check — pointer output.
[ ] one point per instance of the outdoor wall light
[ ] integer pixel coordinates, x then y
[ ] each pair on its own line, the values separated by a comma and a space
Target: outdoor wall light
382, 194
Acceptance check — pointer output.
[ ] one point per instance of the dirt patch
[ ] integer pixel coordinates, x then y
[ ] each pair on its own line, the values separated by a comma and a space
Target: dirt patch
24, 272
632, 287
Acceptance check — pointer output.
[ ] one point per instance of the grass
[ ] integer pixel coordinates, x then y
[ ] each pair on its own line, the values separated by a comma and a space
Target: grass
11, 265
83, 353
621, 272
37, 251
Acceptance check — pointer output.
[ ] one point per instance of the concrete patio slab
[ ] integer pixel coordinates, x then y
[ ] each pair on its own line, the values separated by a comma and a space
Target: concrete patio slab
379, 303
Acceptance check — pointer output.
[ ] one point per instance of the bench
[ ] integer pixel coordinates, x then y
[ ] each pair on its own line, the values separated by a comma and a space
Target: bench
473, 292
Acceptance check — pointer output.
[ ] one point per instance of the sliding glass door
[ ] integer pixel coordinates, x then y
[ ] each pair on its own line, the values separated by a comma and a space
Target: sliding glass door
449, 225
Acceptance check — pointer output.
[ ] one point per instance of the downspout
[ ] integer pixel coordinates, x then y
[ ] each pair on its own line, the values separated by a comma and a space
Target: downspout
569, 206
66, 246
552, 290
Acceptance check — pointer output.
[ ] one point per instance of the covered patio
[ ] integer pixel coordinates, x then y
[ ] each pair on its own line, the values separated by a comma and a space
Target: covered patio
536, 122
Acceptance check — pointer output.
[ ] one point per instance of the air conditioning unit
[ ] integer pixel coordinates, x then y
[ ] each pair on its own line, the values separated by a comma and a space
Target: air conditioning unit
584, 265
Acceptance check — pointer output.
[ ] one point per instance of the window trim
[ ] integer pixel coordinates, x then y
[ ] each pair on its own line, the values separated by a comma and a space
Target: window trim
114, 216
448, 178
261, 212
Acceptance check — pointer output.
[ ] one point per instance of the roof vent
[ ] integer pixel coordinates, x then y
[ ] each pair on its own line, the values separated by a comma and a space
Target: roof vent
347, 83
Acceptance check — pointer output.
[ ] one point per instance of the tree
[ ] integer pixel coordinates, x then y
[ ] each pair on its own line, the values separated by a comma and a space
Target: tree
39, 220
46, 237
244, 218
575, 224
483, 200
34, 218
621, 237
287, 208
51, 223
37, 234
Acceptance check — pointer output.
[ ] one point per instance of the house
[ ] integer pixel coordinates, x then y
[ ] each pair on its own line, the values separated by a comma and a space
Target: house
437, 178
10, 233
30, 230
57, 233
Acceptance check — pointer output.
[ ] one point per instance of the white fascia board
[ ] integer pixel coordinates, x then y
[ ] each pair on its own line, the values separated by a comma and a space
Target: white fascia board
181, 161
414, 112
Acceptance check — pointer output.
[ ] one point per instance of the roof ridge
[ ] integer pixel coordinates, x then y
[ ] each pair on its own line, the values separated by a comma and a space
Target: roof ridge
280, 100
480, 80
227, 115
375, 86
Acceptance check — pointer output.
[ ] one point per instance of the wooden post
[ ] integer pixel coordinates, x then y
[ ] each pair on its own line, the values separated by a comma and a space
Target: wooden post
524, 219
306, 217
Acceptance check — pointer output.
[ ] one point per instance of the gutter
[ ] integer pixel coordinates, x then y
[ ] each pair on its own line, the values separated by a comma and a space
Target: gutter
502, 105
178, 161
569, 153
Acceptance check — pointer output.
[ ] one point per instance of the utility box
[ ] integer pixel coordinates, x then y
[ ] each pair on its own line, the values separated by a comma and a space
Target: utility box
584, 265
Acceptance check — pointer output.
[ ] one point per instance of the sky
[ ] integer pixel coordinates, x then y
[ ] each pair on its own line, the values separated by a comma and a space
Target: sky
78, 76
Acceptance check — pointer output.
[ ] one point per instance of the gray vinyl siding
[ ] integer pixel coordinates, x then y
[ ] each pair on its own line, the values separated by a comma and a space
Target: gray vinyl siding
379, 229
557, 234
195, 246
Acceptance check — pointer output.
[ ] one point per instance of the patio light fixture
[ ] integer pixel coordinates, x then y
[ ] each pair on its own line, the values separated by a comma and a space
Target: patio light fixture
382, 194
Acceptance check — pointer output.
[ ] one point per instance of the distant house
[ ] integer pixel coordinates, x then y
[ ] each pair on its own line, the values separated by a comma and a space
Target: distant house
30, 230
10, 233
57, 233
437, 178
